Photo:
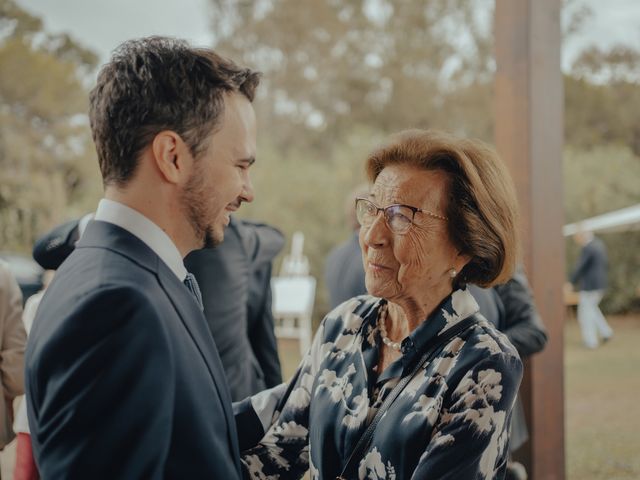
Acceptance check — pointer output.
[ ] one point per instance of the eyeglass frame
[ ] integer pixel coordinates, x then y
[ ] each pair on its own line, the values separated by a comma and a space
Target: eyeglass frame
414, 210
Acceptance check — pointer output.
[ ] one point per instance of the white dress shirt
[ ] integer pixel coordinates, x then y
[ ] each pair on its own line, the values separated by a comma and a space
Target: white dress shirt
147, 231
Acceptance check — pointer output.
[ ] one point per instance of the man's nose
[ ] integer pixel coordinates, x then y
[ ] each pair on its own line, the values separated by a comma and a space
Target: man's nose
247, 194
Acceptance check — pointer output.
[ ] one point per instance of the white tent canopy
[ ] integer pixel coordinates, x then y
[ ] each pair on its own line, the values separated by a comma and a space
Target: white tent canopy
619, 220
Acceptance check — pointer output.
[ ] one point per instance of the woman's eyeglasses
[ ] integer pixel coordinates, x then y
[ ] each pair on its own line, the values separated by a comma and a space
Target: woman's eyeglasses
398, 218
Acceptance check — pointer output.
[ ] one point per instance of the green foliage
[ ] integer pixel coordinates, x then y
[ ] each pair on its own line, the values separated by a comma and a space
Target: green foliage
601, 114
601, 393
330, 65
47, 162
598, 181
617, 64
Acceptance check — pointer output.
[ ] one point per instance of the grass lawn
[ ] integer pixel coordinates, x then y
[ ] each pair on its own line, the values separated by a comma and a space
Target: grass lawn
602, 393
290, 356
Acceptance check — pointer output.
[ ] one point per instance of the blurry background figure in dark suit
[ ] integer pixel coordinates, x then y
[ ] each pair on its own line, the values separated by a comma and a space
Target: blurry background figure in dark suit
589, 277
52, 249
235, 281
344, 272
510, 307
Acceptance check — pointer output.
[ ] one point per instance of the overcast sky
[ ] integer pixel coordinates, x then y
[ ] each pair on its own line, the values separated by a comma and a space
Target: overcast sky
102, 25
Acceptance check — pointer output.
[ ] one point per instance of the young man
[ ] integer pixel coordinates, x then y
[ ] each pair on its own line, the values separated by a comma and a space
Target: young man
123, 378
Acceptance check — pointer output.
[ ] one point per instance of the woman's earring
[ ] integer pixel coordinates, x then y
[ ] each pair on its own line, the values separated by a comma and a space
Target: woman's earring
453, 273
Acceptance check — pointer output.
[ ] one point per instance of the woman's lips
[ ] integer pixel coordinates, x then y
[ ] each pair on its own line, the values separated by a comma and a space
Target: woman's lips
377, 267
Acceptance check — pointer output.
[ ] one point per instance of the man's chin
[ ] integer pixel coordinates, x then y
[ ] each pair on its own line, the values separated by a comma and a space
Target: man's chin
213, 238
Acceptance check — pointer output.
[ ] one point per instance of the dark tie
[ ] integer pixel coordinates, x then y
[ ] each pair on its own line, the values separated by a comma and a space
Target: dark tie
191, 283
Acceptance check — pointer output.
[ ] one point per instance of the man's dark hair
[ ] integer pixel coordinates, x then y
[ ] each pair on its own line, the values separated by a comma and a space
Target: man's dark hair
154, 84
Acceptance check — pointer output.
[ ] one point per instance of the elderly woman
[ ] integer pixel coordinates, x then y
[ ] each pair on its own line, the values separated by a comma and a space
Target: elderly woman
408, 382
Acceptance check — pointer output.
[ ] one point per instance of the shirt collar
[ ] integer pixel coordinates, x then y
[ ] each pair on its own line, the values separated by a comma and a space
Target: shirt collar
151, 234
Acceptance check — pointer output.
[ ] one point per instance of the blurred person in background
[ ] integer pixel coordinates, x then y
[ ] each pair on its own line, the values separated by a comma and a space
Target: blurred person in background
52, 248
12, 344
511, 308
25, 465
589, 278
344, 273
235, 281
49, 251
25, 271
407, 382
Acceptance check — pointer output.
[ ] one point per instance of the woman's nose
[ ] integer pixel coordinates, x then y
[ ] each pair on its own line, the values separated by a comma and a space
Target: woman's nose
376, 234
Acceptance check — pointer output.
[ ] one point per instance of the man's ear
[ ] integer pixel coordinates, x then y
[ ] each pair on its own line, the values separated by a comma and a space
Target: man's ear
172, 156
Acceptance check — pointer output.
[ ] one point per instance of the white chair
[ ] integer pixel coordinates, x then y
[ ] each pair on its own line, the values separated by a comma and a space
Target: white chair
294, 294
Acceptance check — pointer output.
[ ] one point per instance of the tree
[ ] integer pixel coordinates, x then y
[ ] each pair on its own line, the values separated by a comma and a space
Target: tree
46, 156
619, 64
331, 65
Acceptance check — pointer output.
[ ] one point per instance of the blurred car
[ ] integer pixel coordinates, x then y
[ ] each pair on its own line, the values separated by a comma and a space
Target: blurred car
26, 271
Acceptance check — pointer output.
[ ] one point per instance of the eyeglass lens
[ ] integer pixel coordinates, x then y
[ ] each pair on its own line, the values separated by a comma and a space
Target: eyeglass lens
397, 217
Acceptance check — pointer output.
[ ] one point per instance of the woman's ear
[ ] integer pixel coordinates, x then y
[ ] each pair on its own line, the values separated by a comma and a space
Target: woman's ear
172, 157
461, 261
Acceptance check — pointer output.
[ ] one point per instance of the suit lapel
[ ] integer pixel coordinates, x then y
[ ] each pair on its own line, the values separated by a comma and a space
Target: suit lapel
195, 323
112, 237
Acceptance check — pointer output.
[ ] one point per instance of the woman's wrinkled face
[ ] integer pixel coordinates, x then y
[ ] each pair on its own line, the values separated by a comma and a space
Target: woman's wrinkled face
415, 266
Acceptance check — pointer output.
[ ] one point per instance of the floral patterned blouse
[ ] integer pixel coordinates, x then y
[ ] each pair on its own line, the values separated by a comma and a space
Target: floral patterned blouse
450, 421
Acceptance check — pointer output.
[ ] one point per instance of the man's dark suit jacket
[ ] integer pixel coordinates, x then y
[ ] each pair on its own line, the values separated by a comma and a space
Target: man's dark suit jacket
234, 279
122, 375
590, 272
511, 308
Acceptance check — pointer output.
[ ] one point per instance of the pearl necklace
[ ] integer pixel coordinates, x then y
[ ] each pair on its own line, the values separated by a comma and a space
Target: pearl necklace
382, 317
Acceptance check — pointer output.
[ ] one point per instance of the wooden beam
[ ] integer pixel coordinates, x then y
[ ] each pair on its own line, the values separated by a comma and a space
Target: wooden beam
529, 137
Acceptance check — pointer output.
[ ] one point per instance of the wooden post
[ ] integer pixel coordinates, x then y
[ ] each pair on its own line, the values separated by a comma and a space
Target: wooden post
529, 137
